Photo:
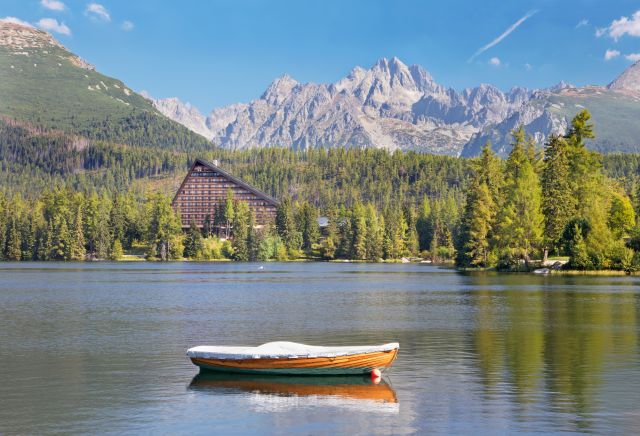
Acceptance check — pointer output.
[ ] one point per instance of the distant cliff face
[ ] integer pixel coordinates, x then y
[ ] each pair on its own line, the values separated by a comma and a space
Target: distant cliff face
390, 105
395, 106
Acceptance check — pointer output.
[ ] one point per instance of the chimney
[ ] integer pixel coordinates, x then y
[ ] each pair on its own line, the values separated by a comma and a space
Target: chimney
216, 163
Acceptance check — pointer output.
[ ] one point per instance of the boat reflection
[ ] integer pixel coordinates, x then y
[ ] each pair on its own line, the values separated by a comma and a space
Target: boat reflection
279, 393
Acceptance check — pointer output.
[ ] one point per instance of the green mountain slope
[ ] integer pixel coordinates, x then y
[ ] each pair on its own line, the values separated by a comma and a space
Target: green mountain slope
615, 114
44, 84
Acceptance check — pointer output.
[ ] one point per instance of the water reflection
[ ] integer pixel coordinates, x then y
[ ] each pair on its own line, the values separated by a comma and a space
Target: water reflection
280, 393
551, 346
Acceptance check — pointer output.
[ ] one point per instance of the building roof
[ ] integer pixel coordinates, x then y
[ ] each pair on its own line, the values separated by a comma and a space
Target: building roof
234, 179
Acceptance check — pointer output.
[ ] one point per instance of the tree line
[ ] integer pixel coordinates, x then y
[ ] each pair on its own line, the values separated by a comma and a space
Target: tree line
483, 212
558, 202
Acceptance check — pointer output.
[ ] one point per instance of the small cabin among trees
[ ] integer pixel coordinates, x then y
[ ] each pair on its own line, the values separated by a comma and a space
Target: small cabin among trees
204, 191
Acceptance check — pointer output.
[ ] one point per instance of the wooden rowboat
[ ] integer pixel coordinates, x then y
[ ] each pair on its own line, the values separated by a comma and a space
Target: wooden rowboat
295, 359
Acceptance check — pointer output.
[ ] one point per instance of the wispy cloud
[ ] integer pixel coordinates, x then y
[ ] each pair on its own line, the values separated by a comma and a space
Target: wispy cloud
528, 66
494, 61
504, 34
127, 25
633, 57
52, 25
611, 54
15, 20
623, 26
53, 5
96, 10
582, 23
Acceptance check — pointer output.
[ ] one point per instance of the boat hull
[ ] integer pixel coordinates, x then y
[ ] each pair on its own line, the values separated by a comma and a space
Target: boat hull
339, 365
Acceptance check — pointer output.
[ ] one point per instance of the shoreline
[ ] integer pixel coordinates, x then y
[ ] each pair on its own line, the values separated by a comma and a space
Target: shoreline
446, 265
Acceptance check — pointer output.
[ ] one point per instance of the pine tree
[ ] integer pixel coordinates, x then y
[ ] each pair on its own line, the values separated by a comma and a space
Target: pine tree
76, 248
411, 235
207, 226
558, 201
29, 237
621, 215
13, 249
478, 218
375, 233
422, 224
118, 218
359, 233
241, 232
116, 252
521, 219
489, 171
61, 240
193, 243
308, 225
286, 227
330, 242
228, 213
578, 254
164, 228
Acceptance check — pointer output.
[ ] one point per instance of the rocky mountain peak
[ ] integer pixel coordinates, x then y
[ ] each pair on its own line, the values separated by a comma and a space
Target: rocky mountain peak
279, 89
183, 113
629, 80
21, 37
18, 35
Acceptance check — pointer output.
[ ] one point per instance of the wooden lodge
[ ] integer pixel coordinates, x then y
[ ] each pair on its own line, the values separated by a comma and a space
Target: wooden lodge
206, 186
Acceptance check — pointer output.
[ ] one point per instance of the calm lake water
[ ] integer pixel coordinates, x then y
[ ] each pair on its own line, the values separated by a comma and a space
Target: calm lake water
100, 348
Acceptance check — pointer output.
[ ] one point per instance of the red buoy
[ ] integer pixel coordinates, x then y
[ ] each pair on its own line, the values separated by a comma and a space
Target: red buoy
376, 375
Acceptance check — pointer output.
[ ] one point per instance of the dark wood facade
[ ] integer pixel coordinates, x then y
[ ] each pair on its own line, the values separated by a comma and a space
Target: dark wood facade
206, 185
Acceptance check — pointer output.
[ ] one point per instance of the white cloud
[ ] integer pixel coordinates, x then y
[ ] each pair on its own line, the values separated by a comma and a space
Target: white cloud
494, 61
54, 5
528, 66
15, 20
504, 34
623, 26
52, 25
582, 23
127, 25
96, 10
610, 54
633, 57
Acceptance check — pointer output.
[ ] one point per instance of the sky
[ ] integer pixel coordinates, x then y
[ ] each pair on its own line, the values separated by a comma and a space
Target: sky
214, 53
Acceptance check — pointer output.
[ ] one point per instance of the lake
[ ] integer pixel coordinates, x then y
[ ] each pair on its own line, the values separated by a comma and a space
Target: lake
100, 348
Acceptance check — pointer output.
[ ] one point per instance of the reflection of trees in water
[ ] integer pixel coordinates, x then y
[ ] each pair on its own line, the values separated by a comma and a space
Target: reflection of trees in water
551, 342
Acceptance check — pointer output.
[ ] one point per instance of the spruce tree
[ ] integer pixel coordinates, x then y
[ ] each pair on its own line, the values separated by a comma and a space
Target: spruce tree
76, 249
117, 251
13, 248
359, 226
478, 219
193, 243
228, 213
558, 201
621, 215
329, 244
422, 224
520, 221
164, 228
241, 232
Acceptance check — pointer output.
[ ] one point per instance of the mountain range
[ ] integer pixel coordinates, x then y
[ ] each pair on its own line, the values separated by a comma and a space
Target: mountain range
389, 105
395, 106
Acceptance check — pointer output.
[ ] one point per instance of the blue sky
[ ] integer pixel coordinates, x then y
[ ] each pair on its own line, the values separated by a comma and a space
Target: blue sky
213, 53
